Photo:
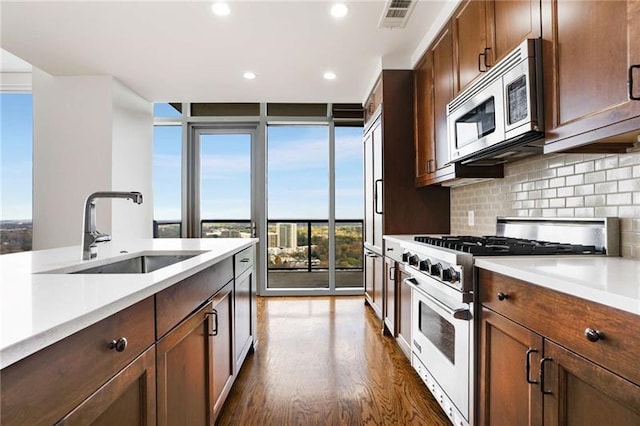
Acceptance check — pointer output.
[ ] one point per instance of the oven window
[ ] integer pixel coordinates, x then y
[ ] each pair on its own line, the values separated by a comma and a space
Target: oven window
518, 105
476, 124
438, 330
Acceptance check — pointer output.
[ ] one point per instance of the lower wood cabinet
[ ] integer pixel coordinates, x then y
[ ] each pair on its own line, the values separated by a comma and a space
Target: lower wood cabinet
128, 399
373, 281
223, 359
554, 359
244, 292
404, 312
389, 295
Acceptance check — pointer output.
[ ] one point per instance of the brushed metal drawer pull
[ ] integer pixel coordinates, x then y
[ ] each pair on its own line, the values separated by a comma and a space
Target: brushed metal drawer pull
527, 366
502, 296
244, 260
119, 345
593, 335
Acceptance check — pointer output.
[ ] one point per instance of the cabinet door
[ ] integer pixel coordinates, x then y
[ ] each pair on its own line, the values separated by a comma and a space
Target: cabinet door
129, 398
442, 94
243, 315
372, 282
423, 120
223, 360
583, 393
368, 188
389, 304
511, 22
470, 32
506, 349
378, 187
404, 314
588, 49
184, 370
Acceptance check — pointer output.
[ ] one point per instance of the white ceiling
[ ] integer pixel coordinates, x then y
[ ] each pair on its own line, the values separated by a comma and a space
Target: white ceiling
180, 51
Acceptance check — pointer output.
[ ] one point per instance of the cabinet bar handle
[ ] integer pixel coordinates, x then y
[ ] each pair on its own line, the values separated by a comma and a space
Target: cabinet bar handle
631, 96
392, 273
542, 361
481, 61
527, 366
214, 330
486, 65
375, 195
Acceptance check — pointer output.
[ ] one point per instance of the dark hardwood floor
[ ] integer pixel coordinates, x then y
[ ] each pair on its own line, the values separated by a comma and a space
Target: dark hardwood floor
324, 361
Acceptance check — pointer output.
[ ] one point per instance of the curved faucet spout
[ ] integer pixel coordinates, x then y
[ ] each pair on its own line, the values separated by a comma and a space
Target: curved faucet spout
91, 236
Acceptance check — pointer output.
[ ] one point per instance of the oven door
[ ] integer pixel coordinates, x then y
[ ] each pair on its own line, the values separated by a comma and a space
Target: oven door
478, 123
441, 334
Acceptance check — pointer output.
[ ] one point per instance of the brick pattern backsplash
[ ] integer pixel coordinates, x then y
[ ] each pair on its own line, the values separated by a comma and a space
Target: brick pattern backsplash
556, 185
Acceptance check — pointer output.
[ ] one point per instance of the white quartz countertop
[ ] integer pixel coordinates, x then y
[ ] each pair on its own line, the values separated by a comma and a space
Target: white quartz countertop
38, 308
611, 281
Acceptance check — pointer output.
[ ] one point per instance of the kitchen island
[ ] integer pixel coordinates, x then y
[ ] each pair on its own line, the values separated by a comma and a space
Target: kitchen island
80, 337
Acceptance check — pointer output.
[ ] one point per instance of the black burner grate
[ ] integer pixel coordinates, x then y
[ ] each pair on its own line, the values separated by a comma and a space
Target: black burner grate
496, 246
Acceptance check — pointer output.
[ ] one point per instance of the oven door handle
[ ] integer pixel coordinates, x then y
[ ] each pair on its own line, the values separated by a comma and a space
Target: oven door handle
457, 313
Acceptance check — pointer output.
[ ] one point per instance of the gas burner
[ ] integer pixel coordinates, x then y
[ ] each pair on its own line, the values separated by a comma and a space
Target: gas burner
505, 246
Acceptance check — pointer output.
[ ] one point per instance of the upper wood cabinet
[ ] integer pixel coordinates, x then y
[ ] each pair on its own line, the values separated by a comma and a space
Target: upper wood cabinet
434, 87
589, 49
486, 30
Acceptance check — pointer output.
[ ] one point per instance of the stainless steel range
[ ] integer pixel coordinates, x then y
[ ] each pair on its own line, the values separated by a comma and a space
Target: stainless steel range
443, 304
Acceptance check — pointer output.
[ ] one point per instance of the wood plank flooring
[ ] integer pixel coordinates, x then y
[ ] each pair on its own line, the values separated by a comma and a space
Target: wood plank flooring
324, 361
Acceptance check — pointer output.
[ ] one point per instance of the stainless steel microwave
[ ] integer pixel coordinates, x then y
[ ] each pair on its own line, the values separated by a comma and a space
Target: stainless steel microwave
499, 117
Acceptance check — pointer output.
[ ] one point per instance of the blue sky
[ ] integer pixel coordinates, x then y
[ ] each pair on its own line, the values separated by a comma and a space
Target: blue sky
297, 169
16, 155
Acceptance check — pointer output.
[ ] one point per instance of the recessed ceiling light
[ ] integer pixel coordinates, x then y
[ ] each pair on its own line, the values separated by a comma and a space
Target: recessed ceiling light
339, 10
221, 9
329, 75
249, 75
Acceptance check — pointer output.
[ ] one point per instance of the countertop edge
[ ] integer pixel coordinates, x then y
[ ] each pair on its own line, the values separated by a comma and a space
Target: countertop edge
19, 350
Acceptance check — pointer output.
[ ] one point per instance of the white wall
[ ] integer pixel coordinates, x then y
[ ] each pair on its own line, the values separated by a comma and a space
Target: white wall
85, 130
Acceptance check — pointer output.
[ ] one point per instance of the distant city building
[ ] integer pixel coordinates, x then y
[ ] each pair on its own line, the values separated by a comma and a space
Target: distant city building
230, 233
272, 239
287, 235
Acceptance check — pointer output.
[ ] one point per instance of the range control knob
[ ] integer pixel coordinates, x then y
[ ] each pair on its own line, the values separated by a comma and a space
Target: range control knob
425, 265
450, 275
405, 256
436, 270
414, 260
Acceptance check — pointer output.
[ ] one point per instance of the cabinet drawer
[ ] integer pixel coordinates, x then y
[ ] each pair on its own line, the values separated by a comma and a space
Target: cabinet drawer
564, 319
393, 250
243, 260
178, 301
45, 386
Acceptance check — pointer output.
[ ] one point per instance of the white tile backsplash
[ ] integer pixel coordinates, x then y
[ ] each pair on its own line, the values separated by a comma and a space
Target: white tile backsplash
557, 185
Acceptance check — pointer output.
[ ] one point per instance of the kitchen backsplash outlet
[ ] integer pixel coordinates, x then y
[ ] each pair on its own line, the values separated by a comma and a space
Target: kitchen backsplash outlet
556, 185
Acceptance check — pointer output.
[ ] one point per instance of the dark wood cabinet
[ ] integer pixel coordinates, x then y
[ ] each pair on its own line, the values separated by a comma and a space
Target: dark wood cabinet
184, 363
390, 296
580, 392
509, 23
472, 44
127, 399
434, 84
589, 49
223, 359
373, 283
393, 204
404, 312
534, 353
244, 305
505, 347
48, 385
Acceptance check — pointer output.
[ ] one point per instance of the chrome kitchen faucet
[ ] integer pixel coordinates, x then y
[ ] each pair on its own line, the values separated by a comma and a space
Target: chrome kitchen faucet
91, 236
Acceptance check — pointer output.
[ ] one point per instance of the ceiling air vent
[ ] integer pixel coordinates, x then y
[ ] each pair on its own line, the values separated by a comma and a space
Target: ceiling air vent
396, 13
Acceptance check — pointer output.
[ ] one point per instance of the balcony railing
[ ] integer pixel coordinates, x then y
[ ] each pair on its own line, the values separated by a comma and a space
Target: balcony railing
298, 250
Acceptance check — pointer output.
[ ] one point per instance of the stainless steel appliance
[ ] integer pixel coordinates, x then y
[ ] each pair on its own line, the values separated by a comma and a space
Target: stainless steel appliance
443, 288
500, 116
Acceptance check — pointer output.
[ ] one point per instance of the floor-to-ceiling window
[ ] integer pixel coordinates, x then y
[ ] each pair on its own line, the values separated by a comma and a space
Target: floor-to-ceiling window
16, 164
167, 172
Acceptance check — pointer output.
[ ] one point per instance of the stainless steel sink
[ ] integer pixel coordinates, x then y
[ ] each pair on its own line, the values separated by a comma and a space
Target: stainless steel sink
136, 265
